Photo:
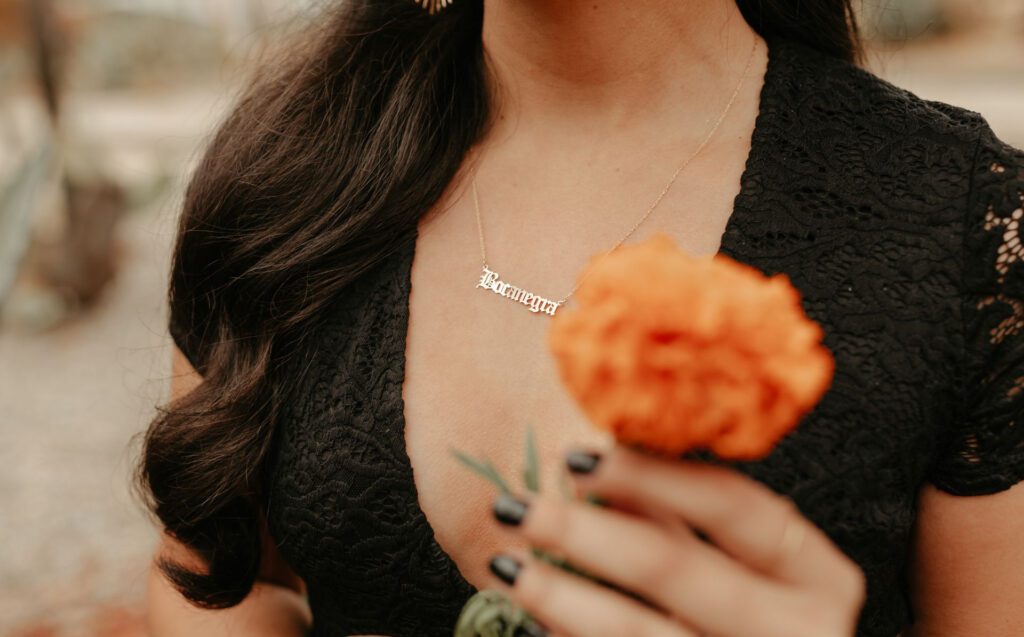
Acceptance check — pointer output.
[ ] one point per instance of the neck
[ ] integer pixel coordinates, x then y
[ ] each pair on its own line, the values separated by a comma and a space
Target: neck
607, 59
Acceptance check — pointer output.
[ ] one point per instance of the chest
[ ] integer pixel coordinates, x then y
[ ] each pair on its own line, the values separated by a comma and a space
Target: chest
370, 508
478, 370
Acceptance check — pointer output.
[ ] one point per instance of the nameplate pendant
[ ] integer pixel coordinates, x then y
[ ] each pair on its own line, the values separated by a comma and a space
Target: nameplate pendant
489, 281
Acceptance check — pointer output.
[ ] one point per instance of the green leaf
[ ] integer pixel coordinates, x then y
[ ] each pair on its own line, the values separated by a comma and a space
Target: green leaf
483, 468
531, 471
490, 613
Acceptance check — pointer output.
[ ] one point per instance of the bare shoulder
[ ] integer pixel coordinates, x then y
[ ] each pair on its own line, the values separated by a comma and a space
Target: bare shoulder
968, 563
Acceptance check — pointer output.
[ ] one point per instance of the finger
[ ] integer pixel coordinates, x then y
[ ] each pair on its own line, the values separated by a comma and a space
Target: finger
742, 516
571, 606
678, 573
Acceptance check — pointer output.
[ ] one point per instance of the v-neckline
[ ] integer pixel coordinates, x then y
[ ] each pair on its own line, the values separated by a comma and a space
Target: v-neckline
743, 206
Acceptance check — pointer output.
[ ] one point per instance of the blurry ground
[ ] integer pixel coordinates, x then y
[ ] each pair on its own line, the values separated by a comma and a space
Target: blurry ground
74, 546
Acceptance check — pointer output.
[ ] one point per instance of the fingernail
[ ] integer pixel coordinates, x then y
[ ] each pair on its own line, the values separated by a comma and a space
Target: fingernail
509, 510
506, 568
582, 462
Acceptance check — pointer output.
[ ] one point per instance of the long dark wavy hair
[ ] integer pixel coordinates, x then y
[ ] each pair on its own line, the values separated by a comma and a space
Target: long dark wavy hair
322, 171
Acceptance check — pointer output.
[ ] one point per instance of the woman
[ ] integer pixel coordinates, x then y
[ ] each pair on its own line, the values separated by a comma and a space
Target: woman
283, 468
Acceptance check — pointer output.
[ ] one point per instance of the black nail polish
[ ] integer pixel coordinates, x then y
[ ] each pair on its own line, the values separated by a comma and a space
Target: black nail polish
509, 510
582, 462
506, 568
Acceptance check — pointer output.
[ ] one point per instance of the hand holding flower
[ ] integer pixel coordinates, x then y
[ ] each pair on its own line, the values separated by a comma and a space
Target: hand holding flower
766, 572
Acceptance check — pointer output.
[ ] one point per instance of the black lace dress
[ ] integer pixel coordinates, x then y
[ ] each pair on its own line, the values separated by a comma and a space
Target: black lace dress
897, 218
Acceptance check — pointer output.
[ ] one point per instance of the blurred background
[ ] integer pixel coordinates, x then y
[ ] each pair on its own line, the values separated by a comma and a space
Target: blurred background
104, 105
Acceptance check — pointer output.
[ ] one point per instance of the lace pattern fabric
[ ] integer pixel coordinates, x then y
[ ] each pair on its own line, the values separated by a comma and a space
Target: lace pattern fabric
986, 451
899, 221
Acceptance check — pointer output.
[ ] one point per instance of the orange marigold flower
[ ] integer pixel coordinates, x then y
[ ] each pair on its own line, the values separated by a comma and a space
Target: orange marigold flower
672, 352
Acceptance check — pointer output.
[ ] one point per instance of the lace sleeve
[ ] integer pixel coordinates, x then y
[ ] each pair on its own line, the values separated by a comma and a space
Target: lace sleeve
985, 451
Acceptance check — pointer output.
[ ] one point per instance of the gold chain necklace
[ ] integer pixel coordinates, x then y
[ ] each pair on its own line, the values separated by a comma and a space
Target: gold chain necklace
489, 279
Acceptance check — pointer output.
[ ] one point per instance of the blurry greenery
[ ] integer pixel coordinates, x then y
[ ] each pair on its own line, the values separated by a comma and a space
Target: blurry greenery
19, 199
483, 468
121, 49
491, 614
531, 468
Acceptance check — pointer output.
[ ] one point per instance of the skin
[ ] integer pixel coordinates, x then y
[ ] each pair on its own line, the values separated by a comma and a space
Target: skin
644, 543
968, 564
567, 169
